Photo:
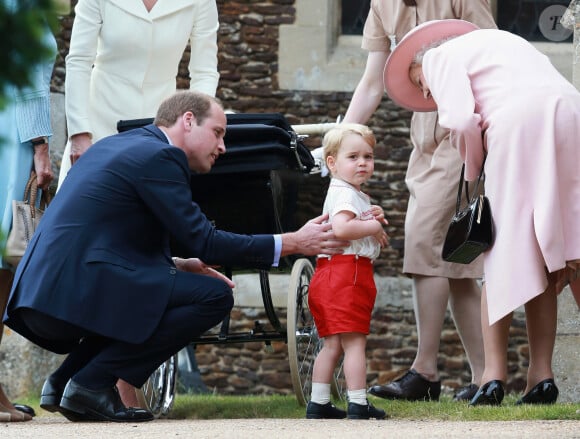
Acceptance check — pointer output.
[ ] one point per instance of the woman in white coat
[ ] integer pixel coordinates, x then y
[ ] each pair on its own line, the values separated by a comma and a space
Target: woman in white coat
123, 61
503, 100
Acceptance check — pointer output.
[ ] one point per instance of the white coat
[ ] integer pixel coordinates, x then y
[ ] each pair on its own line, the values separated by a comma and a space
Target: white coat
123, 60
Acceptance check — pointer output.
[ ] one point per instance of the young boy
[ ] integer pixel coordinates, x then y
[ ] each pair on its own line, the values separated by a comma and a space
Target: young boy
342, 291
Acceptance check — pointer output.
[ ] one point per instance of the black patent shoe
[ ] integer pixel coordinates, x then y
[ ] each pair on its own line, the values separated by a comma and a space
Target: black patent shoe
491, 393
24, 409
412, 387
466, 393
357, 411
51, 395
100, 405
545, 392
324, 411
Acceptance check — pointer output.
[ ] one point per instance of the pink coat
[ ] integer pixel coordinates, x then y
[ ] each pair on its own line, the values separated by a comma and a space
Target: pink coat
496, 92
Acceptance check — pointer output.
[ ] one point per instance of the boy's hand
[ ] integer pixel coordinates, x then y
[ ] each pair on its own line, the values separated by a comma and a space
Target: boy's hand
379, 214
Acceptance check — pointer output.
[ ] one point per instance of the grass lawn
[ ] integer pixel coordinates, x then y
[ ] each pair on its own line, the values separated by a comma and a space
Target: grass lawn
276, 406
215, 407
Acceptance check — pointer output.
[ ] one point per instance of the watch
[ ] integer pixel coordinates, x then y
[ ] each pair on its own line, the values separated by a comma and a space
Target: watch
41, 141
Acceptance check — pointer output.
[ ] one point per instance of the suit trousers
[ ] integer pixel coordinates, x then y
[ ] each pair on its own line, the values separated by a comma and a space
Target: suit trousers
196, 304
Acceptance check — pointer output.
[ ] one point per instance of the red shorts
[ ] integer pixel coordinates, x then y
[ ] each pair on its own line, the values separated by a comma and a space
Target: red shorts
342, 294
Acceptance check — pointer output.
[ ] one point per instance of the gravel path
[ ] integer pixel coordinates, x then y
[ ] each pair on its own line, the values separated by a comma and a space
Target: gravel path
57, 427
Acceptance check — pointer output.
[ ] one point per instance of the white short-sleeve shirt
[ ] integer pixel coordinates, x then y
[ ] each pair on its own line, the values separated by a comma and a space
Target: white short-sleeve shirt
342, 196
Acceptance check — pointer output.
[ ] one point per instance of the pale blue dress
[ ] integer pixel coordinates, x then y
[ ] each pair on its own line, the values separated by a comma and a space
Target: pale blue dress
27, 116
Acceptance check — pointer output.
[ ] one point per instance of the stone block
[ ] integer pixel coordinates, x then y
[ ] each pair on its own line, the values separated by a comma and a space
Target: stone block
24, 365
566, 362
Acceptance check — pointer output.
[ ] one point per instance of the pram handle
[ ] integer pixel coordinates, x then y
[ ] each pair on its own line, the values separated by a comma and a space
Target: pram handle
313, 129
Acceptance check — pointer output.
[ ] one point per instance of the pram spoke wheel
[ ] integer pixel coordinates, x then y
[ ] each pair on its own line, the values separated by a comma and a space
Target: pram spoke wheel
303, 341
158, 393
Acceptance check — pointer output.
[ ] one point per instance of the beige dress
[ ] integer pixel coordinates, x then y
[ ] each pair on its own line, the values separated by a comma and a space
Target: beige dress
434, 165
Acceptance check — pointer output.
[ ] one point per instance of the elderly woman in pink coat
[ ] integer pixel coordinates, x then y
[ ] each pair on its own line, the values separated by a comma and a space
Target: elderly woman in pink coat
503, 101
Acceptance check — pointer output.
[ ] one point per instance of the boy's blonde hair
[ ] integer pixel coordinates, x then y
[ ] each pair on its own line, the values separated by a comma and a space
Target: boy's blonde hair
333, 138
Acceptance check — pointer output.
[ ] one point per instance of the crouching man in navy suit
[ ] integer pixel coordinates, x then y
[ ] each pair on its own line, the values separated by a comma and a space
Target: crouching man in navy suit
98, 281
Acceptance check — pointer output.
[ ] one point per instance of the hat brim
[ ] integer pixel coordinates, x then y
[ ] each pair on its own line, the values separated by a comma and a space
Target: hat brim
396, 79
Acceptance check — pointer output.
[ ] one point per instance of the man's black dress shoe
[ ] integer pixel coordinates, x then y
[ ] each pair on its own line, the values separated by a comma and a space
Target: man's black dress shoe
24, 409
51, 395
323, 411
357, 411
545, 392
491, 393
411, 386
466, 393
100, 405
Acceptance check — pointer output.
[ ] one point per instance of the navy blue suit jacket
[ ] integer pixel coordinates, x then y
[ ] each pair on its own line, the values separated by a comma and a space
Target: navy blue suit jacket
100, 258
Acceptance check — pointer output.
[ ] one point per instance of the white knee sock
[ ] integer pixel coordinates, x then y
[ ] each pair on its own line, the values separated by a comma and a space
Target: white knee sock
320, 393
358, 396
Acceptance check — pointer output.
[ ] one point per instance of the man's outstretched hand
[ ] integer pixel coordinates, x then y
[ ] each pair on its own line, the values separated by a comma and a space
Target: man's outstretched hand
195, 265
315, 237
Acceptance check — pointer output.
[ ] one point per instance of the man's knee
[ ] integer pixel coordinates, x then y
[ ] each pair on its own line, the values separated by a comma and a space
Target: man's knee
201, 290
218, 297
225, 297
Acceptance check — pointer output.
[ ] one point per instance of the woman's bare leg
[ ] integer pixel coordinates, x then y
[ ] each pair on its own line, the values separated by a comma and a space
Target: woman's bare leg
430, 297
465, 304
495, 343
6, 277
541, 323
575, 287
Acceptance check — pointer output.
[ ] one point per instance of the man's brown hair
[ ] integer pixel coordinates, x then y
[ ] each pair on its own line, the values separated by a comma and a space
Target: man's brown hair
180, 103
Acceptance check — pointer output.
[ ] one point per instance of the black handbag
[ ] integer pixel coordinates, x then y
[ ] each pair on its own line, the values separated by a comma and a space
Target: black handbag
471, 230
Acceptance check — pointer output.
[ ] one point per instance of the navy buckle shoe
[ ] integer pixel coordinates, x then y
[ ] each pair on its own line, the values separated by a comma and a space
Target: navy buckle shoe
324, 411
357, 411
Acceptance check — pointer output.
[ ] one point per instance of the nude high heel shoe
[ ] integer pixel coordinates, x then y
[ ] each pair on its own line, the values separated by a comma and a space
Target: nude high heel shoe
12, 415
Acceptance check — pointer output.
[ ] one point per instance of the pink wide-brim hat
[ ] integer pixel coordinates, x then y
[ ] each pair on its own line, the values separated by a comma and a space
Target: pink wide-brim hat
396, 79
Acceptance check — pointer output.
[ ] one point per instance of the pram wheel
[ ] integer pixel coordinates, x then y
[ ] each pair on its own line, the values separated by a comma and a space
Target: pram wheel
158, 393
303, 341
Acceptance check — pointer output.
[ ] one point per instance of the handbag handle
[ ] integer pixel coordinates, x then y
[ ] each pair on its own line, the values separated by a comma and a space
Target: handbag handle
461, 180
31, 194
